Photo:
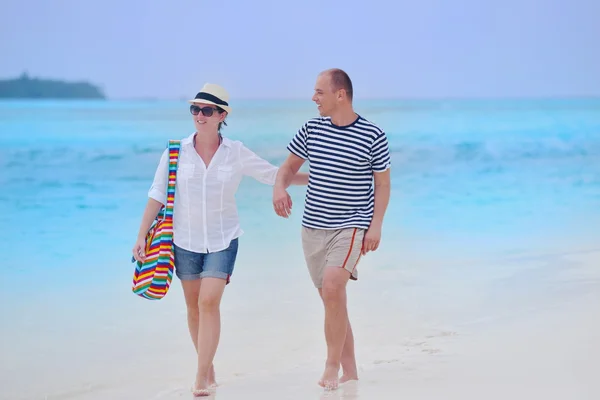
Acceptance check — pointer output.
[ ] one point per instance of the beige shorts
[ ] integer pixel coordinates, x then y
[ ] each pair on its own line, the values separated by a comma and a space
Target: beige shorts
331, 248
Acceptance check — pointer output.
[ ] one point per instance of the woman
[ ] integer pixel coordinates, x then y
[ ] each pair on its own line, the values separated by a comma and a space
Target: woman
205, 222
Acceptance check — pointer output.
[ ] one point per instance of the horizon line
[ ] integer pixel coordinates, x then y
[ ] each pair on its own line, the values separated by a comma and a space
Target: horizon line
371, 98
308, 100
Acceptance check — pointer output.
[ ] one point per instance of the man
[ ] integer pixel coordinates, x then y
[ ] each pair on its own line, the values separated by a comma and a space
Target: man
348, 193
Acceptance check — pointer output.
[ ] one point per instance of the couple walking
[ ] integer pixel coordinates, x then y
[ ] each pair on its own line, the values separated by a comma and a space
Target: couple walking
348, 193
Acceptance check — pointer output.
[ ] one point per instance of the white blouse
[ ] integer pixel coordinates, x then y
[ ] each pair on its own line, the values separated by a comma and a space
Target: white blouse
205, 217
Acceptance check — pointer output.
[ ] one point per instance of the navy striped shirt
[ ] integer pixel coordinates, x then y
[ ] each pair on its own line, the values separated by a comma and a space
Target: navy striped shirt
341, 164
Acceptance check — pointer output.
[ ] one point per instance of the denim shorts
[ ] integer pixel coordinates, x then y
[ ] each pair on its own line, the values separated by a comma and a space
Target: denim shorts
190, 265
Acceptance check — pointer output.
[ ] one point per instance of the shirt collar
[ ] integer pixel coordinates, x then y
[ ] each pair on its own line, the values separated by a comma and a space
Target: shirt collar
189, 141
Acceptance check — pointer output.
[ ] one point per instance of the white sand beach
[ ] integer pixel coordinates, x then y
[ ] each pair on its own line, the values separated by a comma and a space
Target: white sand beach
418, 337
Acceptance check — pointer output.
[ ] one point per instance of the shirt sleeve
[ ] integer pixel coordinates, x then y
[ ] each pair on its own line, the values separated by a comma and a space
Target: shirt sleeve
380, 153
256, 167
158, 190
298, 144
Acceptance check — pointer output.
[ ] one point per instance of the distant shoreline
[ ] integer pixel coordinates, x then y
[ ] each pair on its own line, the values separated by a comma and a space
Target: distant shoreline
27, 88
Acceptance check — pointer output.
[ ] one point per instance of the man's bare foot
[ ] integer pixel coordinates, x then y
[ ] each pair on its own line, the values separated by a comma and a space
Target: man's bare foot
330, 378
346, 378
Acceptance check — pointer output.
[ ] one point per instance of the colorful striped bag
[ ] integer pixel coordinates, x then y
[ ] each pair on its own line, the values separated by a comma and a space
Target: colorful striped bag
152, 278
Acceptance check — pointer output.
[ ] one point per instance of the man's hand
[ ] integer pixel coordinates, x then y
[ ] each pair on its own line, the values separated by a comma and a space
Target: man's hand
382, 197
371, 239
282, 202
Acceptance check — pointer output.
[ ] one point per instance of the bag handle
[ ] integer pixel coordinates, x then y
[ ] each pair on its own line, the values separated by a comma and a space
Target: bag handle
174, 147
167, 211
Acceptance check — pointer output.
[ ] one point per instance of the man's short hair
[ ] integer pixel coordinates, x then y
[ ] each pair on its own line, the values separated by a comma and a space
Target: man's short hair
341, 80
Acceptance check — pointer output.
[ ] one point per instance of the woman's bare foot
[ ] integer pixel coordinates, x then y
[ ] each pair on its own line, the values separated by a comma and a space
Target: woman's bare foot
212, 382
201, 387
200, 392
346, 378
330, 378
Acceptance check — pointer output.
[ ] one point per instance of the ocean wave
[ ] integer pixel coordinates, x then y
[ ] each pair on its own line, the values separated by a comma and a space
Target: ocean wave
51, 184
435, 150
146, 150
83, 185
97, 207
132, 178
496, 151
107, 157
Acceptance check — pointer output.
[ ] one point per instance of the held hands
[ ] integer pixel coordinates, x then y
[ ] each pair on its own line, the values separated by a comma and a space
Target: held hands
371, 239
282, 202
139, 250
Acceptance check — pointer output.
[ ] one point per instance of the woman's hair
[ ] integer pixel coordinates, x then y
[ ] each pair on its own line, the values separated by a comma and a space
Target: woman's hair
221, 111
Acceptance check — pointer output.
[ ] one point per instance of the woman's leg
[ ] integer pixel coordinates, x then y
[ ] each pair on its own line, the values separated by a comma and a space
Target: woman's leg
188, 267
191, 291
209, 330
216, 271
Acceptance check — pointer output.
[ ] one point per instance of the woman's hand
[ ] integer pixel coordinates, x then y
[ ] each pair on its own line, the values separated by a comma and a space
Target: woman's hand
139, 250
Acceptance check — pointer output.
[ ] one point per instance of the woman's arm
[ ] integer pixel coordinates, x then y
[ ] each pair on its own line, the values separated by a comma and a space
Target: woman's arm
263, 171
157, 197
150, 213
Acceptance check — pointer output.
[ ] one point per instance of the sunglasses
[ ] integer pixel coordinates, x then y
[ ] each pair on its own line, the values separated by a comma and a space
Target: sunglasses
206, 111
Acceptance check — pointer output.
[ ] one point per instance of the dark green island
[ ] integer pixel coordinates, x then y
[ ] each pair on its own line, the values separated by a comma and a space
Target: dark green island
25, 87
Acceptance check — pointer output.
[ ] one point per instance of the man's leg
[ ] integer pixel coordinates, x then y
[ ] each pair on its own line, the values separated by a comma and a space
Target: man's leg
342, 248
336, 322
349, 369
343, 255
348, 360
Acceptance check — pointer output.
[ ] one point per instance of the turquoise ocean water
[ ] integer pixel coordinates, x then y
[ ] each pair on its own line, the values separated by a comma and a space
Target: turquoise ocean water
74, 175
469, 177
478, 187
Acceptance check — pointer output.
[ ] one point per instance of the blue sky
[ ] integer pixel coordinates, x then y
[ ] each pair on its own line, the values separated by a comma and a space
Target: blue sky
275, 49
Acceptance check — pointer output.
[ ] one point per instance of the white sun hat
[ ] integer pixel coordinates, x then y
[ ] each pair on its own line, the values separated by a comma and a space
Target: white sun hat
213, 94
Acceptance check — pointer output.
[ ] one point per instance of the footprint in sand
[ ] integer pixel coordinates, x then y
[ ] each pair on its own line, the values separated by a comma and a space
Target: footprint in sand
442, 334
431, 351
385, 361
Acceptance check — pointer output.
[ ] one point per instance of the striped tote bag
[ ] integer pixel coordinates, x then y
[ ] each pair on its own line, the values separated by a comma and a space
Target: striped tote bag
152, 278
